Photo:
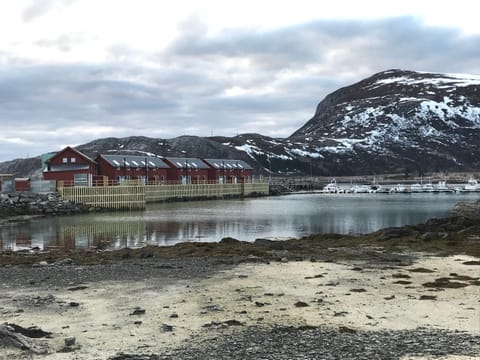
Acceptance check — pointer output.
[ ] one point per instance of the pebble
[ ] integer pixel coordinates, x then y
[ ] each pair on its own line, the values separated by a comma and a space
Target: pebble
285, 343
70, 341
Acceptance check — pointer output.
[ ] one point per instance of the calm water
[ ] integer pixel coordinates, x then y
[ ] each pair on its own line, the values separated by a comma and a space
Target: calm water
248, 219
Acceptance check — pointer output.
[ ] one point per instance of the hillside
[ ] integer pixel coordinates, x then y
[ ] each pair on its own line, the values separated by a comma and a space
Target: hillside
394, 121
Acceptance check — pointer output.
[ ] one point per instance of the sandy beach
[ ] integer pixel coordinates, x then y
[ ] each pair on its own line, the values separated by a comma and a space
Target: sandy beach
158, 314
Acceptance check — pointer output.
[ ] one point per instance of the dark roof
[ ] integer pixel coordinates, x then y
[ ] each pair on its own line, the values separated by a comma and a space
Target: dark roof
68, 167
134, 161
228, 164
189, 163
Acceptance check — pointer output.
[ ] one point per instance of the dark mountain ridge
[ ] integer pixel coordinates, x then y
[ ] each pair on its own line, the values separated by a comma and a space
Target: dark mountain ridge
393, 121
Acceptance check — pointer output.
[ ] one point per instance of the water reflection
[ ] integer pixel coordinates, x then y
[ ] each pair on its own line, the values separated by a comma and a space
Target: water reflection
286, 216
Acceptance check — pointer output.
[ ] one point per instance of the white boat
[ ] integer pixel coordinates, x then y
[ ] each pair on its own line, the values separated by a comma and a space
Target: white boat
360, 189
417, 188
331, 187
471, 185
399, 188
379, 189
442, 186
428, 187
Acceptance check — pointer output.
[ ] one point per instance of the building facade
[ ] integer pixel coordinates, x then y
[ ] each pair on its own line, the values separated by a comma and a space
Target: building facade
71, 167
229, 171
187, 170
119, 168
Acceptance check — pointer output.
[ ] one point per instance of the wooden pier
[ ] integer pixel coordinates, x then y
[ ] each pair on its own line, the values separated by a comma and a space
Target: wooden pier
137, 196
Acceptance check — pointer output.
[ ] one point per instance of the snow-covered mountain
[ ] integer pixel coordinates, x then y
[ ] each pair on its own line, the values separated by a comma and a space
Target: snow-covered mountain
393, 121
400, 119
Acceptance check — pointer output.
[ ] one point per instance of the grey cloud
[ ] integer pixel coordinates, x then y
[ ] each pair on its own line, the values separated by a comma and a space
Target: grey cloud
374, 44
64, 42
38, 8
185, 92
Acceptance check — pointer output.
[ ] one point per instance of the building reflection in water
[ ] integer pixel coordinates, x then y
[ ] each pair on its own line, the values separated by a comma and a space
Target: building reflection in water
100, 235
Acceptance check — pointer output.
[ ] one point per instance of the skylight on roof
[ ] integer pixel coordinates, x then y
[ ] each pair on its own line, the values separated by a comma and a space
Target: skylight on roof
127, 163
194, 164
116, 162
151, 163
178, 163
216, 165
143, 162
134, 163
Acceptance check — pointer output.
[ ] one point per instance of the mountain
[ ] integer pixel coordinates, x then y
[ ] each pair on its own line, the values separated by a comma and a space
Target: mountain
394, 121
400, 120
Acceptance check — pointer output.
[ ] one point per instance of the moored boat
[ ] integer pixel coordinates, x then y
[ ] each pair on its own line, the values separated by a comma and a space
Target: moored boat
399, 188
331, 187
442, 186
360, 189
428, 187
471, 185
417, 188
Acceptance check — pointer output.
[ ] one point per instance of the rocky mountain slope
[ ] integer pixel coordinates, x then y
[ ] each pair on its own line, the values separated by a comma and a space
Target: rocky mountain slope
393, 121
400, 119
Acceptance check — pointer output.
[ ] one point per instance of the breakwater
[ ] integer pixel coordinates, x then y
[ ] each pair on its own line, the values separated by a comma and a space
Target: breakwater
26, 203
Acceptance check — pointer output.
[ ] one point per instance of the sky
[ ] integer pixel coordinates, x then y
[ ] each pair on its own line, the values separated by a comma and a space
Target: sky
72, 71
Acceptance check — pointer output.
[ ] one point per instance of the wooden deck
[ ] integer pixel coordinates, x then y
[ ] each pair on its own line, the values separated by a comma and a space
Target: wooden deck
137, 196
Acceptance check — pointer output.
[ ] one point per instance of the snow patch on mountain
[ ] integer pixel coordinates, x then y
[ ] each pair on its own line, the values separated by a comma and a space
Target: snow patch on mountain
251, 150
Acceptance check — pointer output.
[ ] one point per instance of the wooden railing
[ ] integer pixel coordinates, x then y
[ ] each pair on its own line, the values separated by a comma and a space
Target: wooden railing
110, 197
136, 196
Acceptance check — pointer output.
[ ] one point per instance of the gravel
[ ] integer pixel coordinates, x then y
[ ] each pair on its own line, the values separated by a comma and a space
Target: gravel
320, 343
56, 276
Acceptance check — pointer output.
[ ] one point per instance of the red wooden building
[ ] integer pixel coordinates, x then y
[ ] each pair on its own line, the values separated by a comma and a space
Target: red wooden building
187, 170
70, 166
119, 168
76, 169
229, 171
22, 184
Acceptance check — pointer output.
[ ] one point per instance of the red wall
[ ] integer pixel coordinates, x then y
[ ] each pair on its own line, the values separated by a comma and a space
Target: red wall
69, 153
242, 175
22, 185
197, 176
68, 176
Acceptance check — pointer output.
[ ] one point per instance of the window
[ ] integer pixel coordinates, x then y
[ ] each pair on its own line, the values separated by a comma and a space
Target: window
64, 160
73, 160
80, 180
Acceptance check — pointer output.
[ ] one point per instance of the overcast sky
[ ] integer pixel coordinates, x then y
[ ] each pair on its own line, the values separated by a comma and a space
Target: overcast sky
72, 71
